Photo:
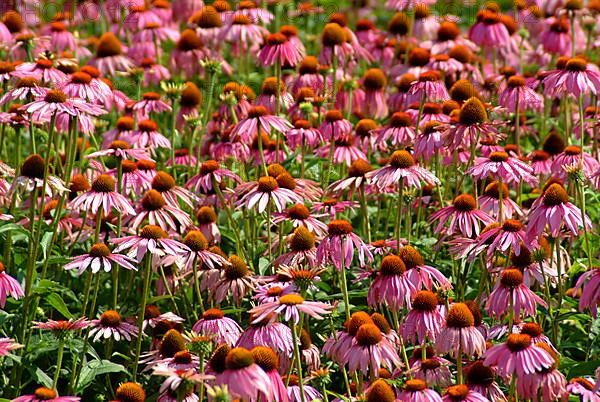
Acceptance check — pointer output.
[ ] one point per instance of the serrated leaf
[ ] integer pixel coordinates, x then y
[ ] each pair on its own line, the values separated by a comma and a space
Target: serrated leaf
95, 368
43, 378
59, 305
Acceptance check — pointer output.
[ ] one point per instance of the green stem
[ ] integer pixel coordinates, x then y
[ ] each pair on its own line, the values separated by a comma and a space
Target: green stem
298, 361
138, 346
399, 215
59, 358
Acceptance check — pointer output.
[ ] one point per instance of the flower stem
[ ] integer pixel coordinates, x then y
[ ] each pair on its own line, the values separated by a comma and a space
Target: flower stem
399, 212
61, 350
298, 361
138, 346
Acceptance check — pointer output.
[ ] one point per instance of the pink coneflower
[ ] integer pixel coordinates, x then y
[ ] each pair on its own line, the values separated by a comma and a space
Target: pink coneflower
102, 196
214, 324
334, 126
302, 250
584, 388
243, 34
266, 191
421, 275
356, 180
109, 55
210, 172
416, 391
518, 94
56, 103
154, 209
9, 286
481, 378
554, 210
258, 121
180, 384
110, 325
401, 169
147, 136
338, 247
489, 202
24, 89
133, 179
236, 279
46, 394
299, 215
549, 383
472, 124
32, 176
154, 73
188, 54
576, 79
510, 235
123, 129
278, 49
463, 215
295, 393
267, 332
462, 393
271, 292
541, 162
42, 70
500, 165
460, 336
511, 292
392, 286
434, 370
303, 135
61, 327
207, 224
375, 82
290, 306
589, 283
150, 103
517, 356
344, 151
244, 378
334, 206
164, 183
81, 85
199, 252
268, 360
400, 130
60, 38
308, 76
99, 257
7, 345
570, 157
424, 320
151, 239
489, 31
370, 351
445, 64
556, 38
429, 86
121, 149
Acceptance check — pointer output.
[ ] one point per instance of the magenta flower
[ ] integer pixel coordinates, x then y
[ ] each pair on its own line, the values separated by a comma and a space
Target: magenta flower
334, 126
99, 257
576, 79
7, 345
102, 196
517, 356
258, 121
501, 165
429, 86
337, 248
150, 103
210, 172
463, 216
151, 239
369, 351
244, 378
401, 170
303, 135
154, 209
504, 238
109, 55
45, 394
462, 393
236, 279
434, 370
460, 336
489, 31
215, 325
266, 191
121, 149
424, 320
550, 383
392, 286
584, 388
9, 286
278, 49
147, 136
42, 70
518, 94
572, 156
24, 88
290, 306
83, 86
510, 291
416, 391
267, 332
489, 202
554, 210
55, 103
61, 327
481, 378
589, 283
400, 130
110, 325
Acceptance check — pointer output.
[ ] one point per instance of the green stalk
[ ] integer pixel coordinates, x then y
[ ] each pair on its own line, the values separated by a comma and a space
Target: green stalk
59, 358
298, 361
138, 346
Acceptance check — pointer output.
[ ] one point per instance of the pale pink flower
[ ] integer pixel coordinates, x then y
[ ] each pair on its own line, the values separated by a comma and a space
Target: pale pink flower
517, 356
9, 286
290, 306
110, 325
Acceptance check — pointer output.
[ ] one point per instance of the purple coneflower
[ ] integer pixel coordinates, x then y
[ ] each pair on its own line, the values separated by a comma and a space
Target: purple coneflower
424, 320
150, 103
576, 79
7, 345
9, 286
489, 202
147, 136
549, 383
589, 283
572, 156
375, 82
151, 239
489, 31
518, 94
338, 247
421, 275
290, 306
416, 391
42, 394
81, 85
278, 49
584, 388
510, 292
245, 379
460, 336
400, 130
154, 209
501, 165
214, 324
56, 103
392, 286
109, 55
517, 356
210, 172
267, 359
429, 86
266, 191
61, 327
462, 393
110, 325
268, 332
463, 215
299, 215
236, 279
102, 196
434, 370
370, 351
99, 257
510, 235
401, 169
121, 149
472, 124
481, 378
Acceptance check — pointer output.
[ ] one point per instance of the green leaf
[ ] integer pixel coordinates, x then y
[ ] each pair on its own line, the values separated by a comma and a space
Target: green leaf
586, 368
59, 304
43, 378
95, 368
